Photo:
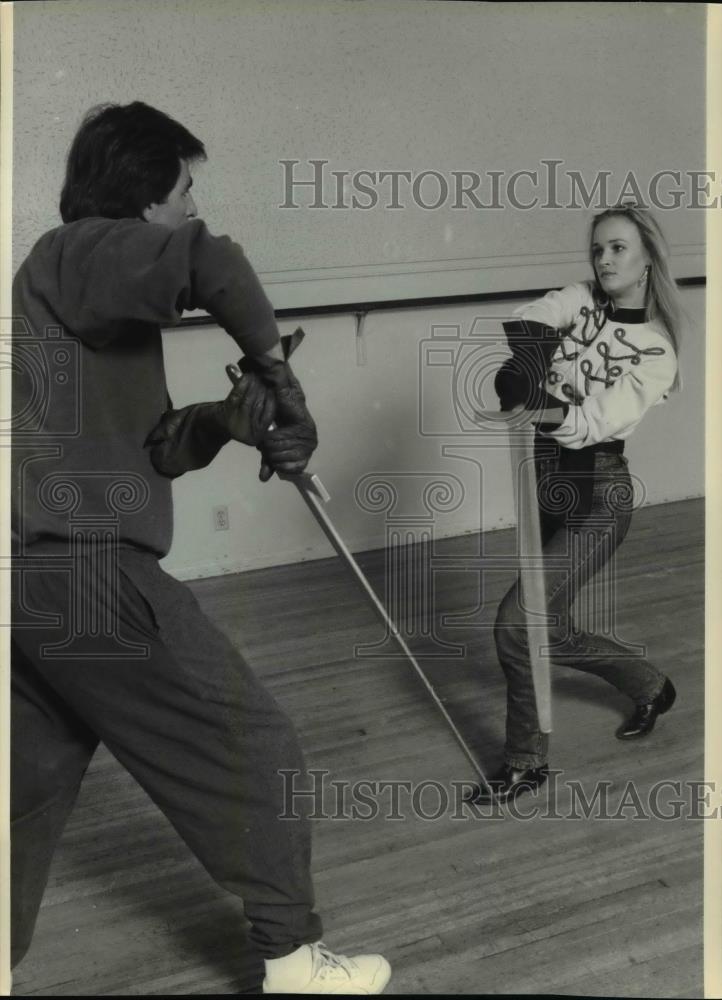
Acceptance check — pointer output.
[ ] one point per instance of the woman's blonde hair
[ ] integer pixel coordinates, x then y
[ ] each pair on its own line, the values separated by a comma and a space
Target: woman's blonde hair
662, 302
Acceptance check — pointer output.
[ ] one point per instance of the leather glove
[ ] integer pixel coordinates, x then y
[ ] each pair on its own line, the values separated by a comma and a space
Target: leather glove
287, 449
515, 384
531, 337
249, 408
288, 446
191, 438
519, 379
515, 388
186, 439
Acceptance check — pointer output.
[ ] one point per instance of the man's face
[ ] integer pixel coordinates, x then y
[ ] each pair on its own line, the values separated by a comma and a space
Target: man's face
178, 207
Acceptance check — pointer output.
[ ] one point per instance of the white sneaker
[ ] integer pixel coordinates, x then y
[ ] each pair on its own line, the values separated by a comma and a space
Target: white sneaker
312, 968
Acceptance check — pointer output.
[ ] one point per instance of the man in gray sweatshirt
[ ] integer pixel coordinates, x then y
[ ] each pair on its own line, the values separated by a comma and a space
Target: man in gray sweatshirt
106, 645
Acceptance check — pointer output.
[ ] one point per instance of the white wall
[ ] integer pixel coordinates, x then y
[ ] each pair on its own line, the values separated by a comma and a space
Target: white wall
370, 424
384, 84
381, 85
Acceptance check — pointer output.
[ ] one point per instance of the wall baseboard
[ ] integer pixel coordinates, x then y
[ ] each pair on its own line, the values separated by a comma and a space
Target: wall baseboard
230, 566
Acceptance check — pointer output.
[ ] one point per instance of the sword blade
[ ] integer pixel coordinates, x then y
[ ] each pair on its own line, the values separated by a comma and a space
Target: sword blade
314, 495
531, 571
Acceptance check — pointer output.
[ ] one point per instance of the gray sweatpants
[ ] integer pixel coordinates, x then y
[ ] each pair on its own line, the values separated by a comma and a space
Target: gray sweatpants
107, 646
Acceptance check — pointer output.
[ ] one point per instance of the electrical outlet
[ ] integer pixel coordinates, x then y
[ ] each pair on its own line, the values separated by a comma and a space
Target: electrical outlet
220, 518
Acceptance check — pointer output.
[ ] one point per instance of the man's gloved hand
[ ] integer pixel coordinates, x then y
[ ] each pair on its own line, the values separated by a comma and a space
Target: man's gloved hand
249, 408
287, 449
289, 445
190, 438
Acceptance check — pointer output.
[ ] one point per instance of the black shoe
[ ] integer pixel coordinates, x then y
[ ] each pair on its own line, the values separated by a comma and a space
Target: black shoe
645, 716
508, 783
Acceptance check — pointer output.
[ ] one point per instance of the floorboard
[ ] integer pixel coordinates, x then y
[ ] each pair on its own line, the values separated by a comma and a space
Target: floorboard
570, 896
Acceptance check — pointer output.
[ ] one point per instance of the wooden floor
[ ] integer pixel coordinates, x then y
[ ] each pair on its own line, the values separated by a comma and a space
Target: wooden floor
486, 905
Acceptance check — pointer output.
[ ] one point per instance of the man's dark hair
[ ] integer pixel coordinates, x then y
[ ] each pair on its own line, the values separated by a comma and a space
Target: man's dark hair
123, 158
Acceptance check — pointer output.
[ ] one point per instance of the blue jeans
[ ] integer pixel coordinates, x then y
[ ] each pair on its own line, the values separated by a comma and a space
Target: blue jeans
574, 548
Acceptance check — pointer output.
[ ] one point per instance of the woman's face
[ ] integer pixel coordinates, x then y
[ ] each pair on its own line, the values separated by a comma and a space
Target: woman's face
620, 260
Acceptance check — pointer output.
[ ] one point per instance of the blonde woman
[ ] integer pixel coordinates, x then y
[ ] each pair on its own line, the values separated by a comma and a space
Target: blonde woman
600, 354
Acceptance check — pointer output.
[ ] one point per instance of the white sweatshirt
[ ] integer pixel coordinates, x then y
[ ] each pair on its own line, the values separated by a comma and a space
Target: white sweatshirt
613, 365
